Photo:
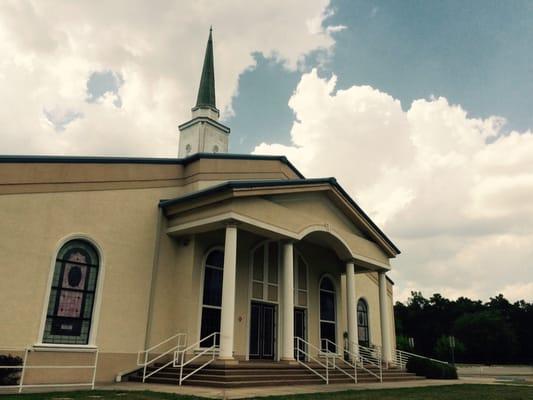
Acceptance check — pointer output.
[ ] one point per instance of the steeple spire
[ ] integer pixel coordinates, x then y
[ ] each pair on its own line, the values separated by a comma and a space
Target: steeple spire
206, 91
203, 133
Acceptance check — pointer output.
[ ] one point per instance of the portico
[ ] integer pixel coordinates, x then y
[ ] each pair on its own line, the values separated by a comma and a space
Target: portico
281, 263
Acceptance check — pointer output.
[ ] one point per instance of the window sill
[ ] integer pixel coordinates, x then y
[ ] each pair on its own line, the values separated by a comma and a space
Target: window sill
87, 348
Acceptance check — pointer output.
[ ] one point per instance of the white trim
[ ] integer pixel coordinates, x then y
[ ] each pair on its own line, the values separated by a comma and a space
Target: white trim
232, 216
95, 315
53, 347
276, 229
201, 291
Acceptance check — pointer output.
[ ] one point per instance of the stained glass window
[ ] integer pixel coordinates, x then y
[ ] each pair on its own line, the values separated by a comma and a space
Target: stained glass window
70, 307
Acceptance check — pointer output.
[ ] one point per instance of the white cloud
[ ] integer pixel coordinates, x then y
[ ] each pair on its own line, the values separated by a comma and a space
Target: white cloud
459, 205
50, 49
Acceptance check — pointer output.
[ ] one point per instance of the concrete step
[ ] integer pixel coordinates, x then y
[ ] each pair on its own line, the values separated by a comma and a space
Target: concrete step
249, 374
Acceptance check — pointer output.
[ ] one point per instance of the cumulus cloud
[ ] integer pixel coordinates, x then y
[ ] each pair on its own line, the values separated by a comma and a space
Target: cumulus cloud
54, 51
452, 191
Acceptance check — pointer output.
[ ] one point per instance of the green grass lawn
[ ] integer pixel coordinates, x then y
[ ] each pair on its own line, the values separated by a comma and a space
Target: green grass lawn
452, 392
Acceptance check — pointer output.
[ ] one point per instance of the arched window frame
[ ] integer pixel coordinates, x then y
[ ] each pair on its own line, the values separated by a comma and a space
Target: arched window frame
335, 310
266, 282
201, 292
363, 301
95, 316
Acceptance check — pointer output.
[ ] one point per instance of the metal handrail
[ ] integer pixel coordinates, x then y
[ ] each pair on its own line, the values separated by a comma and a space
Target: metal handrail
180, 354
371, 356
341, 358
146, 363
24, 366
401, 357
362, 355
301, 350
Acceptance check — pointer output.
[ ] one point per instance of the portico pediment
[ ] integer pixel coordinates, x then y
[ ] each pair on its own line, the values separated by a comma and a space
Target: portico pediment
315, 209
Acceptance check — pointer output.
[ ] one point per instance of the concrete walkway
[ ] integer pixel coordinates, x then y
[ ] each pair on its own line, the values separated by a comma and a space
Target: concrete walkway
242, 393
495, 370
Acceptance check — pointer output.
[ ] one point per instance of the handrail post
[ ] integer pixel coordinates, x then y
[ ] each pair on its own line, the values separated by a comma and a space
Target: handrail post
94, 368
145, 364
23, 370
181, 366
327, 370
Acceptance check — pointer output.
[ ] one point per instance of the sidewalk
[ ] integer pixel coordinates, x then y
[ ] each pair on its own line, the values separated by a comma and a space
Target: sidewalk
241, 393
497, 373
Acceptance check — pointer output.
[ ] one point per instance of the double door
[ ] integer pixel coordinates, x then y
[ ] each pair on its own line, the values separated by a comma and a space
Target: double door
262, 331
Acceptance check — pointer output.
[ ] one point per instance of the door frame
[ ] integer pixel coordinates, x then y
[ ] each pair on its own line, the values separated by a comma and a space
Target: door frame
277, 304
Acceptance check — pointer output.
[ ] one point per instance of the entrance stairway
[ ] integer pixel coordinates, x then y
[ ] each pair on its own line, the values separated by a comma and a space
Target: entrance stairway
260, 373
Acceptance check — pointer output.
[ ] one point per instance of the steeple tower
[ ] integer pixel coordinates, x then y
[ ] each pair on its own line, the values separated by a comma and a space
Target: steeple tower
203, 133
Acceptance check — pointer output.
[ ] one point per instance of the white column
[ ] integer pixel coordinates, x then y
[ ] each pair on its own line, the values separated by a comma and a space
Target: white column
227, 318
351, 308
287, 353
384, 316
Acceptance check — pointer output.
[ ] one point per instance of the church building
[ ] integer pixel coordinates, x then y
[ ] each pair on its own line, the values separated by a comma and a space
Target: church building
117, 268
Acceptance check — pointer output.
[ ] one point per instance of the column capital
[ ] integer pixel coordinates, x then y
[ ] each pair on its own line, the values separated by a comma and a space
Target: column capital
231, 223
351, 261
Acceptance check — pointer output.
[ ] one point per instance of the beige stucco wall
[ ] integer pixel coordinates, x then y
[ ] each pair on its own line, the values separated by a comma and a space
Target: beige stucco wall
123, 225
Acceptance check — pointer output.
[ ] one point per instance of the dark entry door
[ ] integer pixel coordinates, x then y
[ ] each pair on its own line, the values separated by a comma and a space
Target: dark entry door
299, 331
262, 331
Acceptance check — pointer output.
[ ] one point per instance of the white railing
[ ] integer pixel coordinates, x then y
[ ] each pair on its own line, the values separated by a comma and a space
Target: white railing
178, 340
361, 355
400, 358
302, 348
326, 344
180, 355
370, 356
24, 367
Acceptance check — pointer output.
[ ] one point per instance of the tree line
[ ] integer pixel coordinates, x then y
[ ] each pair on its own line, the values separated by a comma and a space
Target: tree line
496, 331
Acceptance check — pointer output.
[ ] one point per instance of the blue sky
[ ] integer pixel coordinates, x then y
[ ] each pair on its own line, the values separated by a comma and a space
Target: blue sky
476, 53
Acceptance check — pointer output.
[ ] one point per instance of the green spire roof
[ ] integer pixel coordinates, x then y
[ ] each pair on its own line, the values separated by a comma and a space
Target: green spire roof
206, 92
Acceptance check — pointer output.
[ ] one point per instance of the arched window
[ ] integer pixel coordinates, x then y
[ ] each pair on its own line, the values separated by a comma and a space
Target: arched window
362, 323
327, 315
212, 296
70, 306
